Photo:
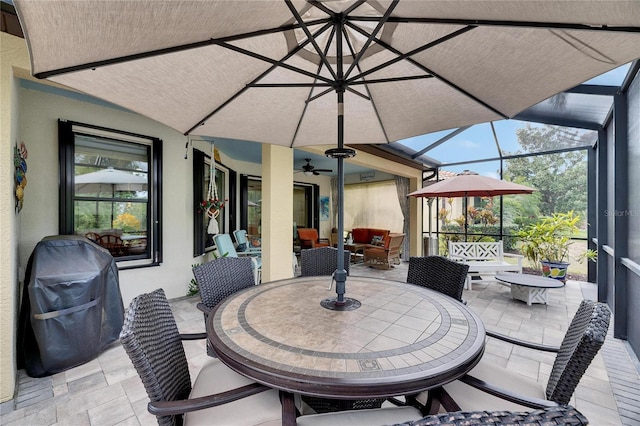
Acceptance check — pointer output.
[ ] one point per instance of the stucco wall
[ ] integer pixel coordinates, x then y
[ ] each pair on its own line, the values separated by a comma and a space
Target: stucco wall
12, 54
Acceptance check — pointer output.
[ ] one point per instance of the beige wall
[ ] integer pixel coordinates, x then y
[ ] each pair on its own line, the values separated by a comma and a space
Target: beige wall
12, 54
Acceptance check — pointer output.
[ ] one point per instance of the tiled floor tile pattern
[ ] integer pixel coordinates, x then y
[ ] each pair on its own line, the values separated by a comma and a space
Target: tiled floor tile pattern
107, 391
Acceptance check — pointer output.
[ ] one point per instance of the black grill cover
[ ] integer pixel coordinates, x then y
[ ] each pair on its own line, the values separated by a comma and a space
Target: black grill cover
71, 307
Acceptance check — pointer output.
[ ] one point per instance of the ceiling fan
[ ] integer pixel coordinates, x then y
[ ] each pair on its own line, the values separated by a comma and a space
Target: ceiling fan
309, 170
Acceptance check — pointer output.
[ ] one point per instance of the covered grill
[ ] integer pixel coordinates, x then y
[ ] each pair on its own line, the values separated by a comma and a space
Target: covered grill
71, 305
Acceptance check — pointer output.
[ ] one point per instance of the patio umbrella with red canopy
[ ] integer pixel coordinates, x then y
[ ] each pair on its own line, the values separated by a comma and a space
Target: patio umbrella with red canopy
470, 184
261, 70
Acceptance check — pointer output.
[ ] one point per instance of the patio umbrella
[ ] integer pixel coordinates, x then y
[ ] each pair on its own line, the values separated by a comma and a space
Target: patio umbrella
266, 70
470, 184
109, 180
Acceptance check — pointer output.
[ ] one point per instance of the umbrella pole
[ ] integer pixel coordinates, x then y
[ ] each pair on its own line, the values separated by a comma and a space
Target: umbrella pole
340, 303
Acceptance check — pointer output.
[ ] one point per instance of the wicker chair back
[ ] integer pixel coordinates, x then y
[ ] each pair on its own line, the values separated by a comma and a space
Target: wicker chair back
438, 273
151, 339
321, 261
581, 343
222, 277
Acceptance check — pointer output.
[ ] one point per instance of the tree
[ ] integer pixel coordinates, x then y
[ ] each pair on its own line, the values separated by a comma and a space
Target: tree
560, 178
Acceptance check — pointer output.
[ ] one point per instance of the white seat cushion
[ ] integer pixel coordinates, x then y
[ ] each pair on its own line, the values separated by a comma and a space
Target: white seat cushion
372, 417
262, 409
472, 399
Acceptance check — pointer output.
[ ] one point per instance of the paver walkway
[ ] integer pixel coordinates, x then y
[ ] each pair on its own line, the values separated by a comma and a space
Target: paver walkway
107, 391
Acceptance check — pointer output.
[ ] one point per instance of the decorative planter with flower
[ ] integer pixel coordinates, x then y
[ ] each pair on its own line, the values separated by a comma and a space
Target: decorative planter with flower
548, 240
211, 207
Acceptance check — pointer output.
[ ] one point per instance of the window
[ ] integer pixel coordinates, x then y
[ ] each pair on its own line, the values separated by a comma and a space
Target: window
203, 223
305, 205
110, 191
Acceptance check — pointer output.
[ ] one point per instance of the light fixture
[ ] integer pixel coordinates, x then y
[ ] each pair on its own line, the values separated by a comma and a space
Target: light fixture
308, 173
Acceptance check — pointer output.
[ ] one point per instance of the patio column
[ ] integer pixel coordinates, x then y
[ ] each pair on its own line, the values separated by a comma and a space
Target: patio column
13, 54
277, 212
415, 218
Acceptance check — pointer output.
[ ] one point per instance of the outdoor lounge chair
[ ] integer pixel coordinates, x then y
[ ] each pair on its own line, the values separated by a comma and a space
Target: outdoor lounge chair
386, 256
309, 238
220, 278
151, 339
438, 273
244, 245
489, 387
225, 248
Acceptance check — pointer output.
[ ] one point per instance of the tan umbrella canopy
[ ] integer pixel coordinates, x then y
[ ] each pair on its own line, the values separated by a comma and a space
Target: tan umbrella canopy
267, 70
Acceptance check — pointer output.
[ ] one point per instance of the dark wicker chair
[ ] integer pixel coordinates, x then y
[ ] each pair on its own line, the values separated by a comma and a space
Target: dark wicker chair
490, 387
438, 273
220, 278
151, 339
563, 415
321, 261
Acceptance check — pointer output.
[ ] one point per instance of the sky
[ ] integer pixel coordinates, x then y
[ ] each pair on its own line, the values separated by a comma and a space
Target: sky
478, 141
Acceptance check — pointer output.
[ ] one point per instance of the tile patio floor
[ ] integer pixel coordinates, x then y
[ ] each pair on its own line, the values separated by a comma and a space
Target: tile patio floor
107, 391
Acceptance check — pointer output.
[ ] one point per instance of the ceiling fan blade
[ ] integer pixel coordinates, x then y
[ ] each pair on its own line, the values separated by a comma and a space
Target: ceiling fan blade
324, 170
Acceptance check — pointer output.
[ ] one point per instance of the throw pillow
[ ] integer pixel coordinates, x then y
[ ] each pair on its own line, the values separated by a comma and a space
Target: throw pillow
377, 240
255, 242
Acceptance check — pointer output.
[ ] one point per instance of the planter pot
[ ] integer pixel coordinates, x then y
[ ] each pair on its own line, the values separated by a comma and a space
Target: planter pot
555, 270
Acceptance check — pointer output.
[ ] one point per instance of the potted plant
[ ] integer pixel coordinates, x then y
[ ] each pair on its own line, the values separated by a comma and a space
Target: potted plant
211, 207
548, 241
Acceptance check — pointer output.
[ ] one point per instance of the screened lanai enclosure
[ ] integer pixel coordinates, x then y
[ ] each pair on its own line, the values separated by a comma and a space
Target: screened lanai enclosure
576, 148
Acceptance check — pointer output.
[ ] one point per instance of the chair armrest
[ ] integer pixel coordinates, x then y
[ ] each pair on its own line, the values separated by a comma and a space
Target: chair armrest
506, 394
172, 408
523, 343
193, 336
203, 308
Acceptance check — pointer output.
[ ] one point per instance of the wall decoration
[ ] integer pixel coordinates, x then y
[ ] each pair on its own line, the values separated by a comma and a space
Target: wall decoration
324, 208
20, 175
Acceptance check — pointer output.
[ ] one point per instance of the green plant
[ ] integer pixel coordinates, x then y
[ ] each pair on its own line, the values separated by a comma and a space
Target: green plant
550, 238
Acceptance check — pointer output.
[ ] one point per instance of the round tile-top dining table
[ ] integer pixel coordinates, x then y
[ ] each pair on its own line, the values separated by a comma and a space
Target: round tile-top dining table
401, 340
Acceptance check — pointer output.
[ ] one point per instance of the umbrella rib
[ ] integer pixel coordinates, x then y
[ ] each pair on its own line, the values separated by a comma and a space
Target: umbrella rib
366, 86
258, 78
373, 34
390, 79
172, 49
305, 28
274, 62
306, 104
402, 56
496, 23
439, 77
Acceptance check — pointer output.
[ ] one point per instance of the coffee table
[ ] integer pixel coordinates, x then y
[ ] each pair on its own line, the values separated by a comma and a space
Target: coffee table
529, 288
356, 249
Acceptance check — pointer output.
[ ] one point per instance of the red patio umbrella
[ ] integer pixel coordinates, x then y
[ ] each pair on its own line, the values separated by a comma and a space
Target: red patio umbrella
470, 184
